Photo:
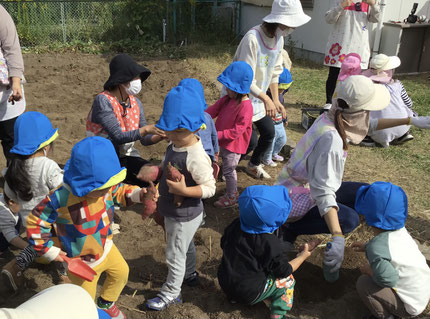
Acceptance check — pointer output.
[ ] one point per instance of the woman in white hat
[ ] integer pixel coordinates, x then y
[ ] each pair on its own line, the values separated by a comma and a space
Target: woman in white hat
261, 48
349, 35
381, 71
322, 203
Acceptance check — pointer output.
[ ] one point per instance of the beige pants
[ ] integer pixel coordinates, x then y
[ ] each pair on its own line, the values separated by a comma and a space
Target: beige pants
382, 302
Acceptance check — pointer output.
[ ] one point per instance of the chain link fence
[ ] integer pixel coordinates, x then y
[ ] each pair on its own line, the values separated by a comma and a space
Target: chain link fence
175, 21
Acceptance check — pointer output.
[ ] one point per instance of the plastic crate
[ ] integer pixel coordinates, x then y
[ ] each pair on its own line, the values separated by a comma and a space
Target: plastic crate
309, 115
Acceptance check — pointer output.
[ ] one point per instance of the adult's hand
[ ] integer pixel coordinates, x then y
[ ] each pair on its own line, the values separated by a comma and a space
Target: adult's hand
270, 107
421, 122
17, 94
370, 2
334, 256
346, 3
151, 129
281, 109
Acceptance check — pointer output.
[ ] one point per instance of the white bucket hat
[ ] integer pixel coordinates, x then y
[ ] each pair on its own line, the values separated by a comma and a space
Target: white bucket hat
287, 12
360, 93
382, 62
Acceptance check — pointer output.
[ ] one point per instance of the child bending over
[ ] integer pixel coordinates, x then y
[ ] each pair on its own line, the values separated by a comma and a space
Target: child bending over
253, 266
395, 283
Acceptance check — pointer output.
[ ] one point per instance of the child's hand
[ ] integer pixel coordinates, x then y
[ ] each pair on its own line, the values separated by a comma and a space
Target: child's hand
366, 270
143, 191
358, 246
312, 245
281, 109
177, 188
59, 258
216, 157
305, 253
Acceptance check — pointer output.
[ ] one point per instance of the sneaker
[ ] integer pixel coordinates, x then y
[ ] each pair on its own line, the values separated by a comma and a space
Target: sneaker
368, 142
257, 171
269, 163
403, 139
226, 201
158, 303
112, 310
192, 280
278, 158
327, 106
12, 275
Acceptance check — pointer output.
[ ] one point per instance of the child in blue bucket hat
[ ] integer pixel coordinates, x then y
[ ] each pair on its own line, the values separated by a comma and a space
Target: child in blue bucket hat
31, 175
234, 125
272, 155
253, 266
395, 283
181, 118
208, 135
82, 210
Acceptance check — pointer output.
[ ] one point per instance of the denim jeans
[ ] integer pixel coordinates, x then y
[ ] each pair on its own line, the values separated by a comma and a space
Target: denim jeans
278, 142
313, 223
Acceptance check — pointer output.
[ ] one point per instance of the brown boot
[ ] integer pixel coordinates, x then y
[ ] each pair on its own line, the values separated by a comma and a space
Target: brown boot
12, 275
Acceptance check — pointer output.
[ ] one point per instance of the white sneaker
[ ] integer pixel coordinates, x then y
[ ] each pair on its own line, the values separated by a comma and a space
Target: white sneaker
257, 171
269, 163
327, 106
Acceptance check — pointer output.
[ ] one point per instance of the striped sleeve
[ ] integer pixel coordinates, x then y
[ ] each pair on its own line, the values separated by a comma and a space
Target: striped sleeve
405, 96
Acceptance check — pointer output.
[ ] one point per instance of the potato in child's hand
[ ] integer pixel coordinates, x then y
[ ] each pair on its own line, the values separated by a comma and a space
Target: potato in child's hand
174, 175
149, 200
149, 173
312, 245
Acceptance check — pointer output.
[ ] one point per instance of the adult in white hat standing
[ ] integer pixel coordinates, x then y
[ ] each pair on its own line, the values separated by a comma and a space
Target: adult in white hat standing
322, 203
349, 35
261, 48
381, 71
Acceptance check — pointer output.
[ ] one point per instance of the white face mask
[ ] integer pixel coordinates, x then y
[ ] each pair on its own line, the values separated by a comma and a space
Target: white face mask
134, 87
284, 33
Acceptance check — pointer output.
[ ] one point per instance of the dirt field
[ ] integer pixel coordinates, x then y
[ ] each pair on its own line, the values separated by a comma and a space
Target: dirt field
63, 87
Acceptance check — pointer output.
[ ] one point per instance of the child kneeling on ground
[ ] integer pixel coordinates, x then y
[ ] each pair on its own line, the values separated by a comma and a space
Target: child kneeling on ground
82, 210
181, 201
253, 266
395, 283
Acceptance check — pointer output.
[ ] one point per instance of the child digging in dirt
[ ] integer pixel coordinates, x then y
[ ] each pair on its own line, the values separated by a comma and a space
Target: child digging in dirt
253, 266
234, 125
395, 283
182, 117
30, 176
82, 210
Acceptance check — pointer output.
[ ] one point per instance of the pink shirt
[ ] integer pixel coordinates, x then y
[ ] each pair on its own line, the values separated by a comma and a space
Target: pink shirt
233, 124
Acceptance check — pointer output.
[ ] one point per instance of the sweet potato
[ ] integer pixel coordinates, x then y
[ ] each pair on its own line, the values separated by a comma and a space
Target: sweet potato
174, 175
148, 201
149, 173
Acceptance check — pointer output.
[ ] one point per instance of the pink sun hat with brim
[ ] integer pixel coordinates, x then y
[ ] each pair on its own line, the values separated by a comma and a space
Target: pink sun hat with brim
287, 12
382, 62
351, 65
360, 93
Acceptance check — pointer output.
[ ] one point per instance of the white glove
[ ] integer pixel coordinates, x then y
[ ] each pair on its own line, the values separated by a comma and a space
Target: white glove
334, 256
421, 122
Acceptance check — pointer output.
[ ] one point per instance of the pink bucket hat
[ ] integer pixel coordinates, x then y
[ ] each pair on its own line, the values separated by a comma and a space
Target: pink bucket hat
350, 66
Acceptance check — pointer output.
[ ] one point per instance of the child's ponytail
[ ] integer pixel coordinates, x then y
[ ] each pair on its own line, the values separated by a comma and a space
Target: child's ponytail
338, 122
18, 179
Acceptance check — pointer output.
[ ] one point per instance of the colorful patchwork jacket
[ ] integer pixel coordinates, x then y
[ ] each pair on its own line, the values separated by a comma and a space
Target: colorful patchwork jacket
82, 224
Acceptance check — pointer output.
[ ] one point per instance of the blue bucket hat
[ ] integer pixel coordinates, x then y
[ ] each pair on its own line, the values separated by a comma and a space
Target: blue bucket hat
263, 209
237, 77
196, 85
32, 130
93, 165
180, 110
383, 205
285, 79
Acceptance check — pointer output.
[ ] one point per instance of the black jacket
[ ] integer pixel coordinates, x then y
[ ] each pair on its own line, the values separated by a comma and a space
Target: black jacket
247, 261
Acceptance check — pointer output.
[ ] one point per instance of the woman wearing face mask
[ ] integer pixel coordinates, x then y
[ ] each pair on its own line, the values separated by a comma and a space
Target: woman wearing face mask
117, 114
261, 48
322, 202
